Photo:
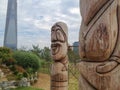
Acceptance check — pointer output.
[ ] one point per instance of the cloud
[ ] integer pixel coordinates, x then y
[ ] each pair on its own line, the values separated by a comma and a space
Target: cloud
36, 17
3, 6
74, 10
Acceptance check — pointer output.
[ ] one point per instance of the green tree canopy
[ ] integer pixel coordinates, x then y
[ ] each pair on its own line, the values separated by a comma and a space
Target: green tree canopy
27, 60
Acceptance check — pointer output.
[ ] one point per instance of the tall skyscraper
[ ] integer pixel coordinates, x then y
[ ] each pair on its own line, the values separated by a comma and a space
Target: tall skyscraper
10, 37
76, 47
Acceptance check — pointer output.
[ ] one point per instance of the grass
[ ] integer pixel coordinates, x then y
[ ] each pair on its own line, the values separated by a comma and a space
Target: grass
73, 77
44, 70
26, 88
73, 83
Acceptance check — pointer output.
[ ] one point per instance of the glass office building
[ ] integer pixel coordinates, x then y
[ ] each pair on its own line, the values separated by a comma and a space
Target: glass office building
10, 37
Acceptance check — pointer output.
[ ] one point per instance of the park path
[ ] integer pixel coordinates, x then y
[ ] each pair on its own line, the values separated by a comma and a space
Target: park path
43, 82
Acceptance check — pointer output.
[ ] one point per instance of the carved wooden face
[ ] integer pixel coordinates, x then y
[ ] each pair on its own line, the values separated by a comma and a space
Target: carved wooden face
58, 42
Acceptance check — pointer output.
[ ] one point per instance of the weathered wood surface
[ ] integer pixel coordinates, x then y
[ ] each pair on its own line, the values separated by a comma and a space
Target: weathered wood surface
100, 37
59, 47
89, 8
100, 45
90, 79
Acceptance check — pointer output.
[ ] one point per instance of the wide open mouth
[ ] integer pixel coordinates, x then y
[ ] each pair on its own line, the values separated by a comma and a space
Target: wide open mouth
55, 48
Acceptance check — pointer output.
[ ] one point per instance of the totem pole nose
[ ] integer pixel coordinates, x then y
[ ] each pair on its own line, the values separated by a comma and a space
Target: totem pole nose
53, 36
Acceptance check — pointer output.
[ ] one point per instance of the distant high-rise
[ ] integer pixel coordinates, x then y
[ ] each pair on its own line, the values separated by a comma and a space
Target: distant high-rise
10, 37
76, 47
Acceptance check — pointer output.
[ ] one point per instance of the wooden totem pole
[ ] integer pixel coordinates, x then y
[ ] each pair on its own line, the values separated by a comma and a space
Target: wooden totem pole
100, 45
59, 47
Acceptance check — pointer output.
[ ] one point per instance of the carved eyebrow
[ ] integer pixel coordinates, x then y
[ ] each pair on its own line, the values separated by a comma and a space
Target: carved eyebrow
64, 34
61, 29
53, 28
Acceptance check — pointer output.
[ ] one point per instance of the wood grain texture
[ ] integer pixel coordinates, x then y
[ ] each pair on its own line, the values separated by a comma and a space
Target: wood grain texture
59, 47
99, 43
97, 81
89, 8
99, 48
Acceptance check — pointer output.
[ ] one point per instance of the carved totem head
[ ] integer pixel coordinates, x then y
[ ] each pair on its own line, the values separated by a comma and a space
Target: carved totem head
59, 43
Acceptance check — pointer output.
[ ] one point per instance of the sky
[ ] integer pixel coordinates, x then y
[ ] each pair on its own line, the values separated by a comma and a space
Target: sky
36, 17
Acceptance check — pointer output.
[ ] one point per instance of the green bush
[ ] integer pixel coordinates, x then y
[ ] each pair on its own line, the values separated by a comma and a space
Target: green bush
25, 74
6, 56
19, 76
27, 60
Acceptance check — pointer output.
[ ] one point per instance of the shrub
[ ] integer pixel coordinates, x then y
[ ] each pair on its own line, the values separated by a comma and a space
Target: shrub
19, 69
25, 74
12, 68
19, 76
10, 61
27, 60
6, 56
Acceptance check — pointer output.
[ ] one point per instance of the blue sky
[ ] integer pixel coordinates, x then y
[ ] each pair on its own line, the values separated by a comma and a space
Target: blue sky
36, 17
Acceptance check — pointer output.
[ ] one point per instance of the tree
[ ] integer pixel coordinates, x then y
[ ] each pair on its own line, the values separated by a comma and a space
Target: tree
73, 57
44, 53
27, 60
36, 50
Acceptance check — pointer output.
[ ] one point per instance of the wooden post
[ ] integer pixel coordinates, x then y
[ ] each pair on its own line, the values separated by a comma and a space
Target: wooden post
99, 45
59, 47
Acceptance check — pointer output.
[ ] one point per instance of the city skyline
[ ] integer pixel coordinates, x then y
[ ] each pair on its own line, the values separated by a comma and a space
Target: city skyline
35, 19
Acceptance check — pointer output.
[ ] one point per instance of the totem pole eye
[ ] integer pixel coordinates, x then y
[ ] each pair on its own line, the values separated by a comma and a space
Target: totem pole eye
60, 36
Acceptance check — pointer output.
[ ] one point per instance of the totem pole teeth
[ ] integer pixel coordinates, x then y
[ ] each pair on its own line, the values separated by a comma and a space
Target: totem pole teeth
55, 48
